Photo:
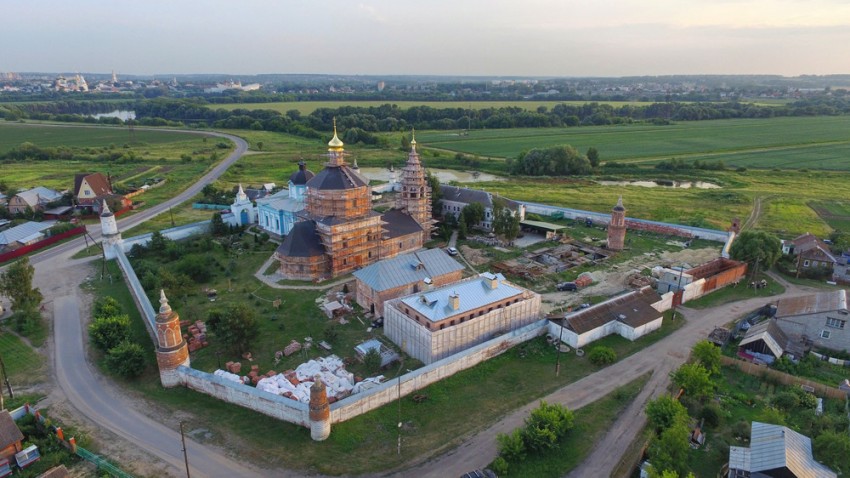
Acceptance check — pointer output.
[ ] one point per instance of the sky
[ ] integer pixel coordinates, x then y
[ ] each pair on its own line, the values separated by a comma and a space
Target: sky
427, 37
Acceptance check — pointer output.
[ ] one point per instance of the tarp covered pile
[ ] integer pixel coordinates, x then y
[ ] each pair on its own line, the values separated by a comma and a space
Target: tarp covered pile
295, 384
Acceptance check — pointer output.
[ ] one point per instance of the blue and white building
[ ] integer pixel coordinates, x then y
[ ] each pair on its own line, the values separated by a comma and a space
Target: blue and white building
279, 212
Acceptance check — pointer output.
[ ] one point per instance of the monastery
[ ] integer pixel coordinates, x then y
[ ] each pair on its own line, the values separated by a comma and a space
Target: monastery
338, 232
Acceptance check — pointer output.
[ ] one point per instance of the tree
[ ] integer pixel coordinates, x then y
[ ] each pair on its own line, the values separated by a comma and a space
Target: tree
665, 412
601, 355
405, 143
462, 230
472, 214
158, 242
16, 284
757, 248
555, 161
127, 359
832, 449
593, 156
235, 326
708, 355
546, 425
669, 451
108, 331
260, 145
436, 193
372, 360
217, 225
695, 379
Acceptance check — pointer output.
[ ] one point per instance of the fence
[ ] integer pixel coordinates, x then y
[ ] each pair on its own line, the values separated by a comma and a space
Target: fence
217, 207
8, 256
786, 379
101, 464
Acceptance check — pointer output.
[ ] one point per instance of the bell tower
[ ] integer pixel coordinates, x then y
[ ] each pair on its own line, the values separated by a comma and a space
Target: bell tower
171, 349
415, 196
617, 227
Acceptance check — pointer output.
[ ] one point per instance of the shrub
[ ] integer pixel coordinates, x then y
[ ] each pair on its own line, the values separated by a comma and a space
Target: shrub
602, 355
126, 359
546, 425
711, 414
512, 445
500, 466
108, 332
372, 360
106, 307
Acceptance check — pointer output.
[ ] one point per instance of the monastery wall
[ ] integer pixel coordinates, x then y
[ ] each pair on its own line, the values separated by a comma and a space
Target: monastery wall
390, 391
174, 233
245, 396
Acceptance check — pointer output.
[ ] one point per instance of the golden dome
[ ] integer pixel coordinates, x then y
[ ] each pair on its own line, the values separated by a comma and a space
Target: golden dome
413, 138
335, 143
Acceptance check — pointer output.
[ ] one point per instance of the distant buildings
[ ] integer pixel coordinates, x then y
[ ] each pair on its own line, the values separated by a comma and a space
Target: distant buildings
454, 199
437, 323
36, 198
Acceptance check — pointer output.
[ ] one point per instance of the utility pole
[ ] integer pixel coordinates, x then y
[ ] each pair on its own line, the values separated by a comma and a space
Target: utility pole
170, 211
6, 379
560, 335
400, 365
185, 456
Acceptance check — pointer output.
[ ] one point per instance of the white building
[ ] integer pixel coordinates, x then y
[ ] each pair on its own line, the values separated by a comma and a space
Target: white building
630, 316
243, 209
433, 325
454, 199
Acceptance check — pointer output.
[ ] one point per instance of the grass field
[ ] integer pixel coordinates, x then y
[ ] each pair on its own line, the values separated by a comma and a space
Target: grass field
809, 142
156, 154
834, 213
23, 364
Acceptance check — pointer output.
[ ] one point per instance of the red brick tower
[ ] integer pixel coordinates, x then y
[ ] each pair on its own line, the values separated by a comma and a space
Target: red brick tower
320, 411
171, 349
415, 196
617, 227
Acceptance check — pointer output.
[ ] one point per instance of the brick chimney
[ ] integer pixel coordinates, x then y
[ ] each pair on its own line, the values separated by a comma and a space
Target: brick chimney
492, 280
454, 301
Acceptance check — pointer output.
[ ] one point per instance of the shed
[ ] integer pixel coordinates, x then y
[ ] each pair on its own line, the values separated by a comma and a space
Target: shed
388, 355
10, 436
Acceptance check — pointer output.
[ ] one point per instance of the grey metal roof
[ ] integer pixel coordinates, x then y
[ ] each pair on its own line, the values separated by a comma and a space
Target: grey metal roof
402, 270
24, 231
39, 195
469, 196
337, 177
282, 204
397, 224
302, 241
812, 304
774, 447
633, 309
472, 293
302, 175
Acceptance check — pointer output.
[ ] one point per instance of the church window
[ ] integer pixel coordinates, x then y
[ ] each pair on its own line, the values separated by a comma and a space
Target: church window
399, 245
442, 326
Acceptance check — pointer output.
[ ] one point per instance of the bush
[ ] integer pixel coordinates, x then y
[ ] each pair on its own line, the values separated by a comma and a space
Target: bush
372, 360
512, 446
500, 466
711, 414
546, 425
126, 359
602, 355
106, 307
108, 332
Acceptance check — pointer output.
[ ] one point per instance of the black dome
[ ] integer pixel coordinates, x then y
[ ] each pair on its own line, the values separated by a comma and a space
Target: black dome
302, 175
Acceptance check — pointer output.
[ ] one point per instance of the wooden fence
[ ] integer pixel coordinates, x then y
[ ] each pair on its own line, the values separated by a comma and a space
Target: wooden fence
786, 379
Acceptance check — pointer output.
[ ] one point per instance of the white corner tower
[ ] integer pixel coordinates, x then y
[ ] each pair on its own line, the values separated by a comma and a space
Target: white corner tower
111, 237
243, 209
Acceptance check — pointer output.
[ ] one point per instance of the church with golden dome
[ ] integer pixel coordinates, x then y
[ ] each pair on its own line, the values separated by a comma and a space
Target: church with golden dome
338, 232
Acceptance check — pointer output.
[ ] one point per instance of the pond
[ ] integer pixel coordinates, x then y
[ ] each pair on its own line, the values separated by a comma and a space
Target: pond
123, 115
662, 183
444, 175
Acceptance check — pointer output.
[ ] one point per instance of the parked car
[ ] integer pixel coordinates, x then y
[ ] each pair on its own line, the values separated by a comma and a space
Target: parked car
452, 251
571, 286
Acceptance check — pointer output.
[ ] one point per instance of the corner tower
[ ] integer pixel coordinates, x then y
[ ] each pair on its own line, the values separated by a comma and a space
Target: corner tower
617, 227
415, 197
320, 411
111, 237
171, 349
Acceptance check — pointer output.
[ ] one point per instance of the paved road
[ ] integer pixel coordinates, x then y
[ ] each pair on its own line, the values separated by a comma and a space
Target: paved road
660, 358
96, 399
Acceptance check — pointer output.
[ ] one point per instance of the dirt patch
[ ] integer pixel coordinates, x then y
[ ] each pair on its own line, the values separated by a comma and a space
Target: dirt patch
614, 279
475, 257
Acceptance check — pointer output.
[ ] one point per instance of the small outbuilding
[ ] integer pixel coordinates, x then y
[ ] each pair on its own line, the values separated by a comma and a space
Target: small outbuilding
10, 436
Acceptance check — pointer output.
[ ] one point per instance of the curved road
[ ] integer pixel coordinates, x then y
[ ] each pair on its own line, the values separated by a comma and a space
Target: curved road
95, 398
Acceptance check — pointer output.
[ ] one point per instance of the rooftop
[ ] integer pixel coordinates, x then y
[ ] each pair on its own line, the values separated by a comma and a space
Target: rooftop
39, 195
835, 300
633, 309
9, 432
337, 177
24, 231
302, 241
405, 269
774, 447
472, 294
397, 224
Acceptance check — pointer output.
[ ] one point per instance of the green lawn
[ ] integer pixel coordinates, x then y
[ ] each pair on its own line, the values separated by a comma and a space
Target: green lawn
804, 142
591, 423
836, 213
732, 293
23, 364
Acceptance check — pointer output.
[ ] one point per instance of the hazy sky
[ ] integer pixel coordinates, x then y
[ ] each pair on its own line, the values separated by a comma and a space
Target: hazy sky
451, 37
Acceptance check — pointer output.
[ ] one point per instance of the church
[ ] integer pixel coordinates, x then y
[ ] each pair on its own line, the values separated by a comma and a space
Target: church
338, 232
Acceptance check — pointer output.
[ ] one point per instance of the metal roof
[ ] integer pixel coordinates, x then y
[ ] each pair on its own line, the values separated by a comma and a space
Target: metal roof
39, 195
24, 231
302, 241
472, 294
402, 270
774, 447
771, 334
337, 177
812, 304
398, 223
282, 203
633, 309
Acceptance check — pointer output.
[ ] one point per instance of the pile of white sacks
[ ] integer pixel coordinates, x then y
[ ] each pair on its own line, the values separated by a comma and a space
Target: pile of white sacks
338, 381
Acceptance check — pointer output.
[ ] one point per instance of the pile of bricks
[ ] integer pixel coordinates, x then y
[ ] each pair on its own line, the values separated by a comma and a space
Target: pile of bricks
197, 337
234, 367
255, 376
584, 280
293, 347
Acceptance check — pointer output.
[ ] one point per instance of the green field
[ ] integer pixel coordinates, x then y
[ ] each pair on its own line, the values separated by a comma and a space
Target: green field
307, 107
23, 364
148, 155
834, 213
806, 142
